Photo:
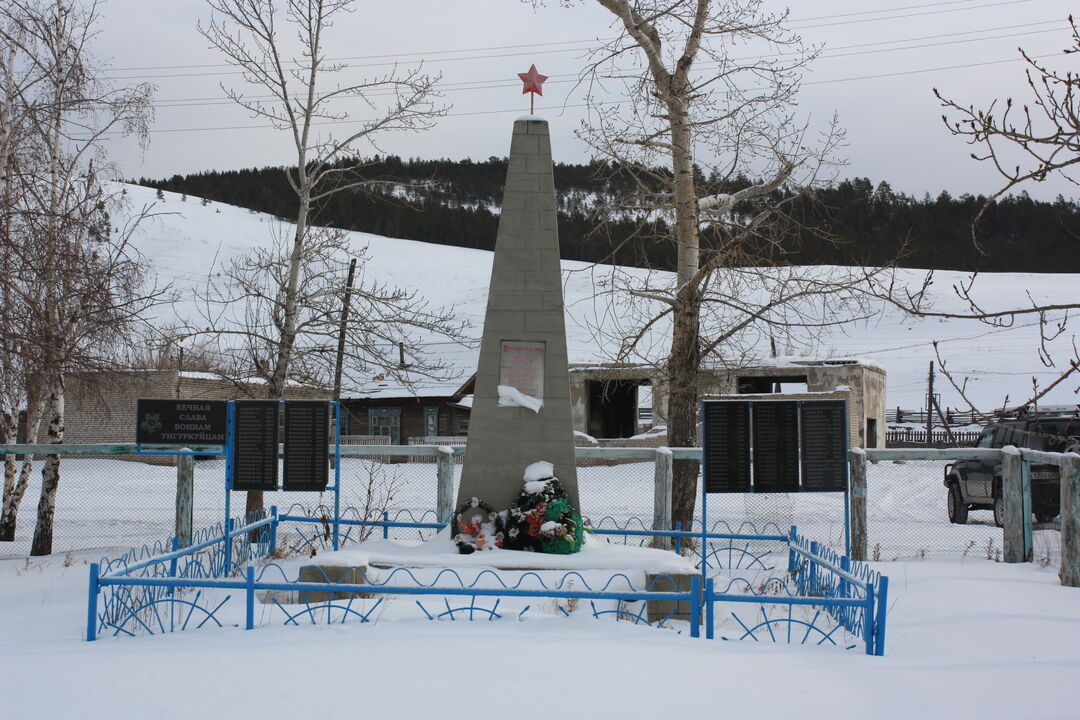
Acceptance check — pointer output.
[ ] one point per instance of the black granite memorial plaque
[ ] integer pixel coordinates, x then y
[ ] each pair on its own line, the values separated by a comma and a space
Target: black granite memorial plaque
776, 450
180, 422
824, 446
255, 445
307, 445
726, 446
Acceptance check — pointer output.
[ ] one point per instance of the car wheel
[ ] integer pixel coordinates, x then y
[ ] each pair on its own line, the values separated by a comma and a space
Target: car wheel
1045, 516
999, 511
958, 511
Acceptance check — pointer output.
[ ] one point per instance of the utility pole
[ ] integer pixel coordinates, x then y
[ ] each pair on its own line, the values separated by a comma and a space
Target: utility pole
930, 403
341, 330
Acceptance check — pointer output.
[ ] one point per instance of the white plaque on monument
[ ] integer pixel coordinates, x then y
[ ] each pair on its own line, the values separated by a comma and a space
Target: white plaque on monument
521, 366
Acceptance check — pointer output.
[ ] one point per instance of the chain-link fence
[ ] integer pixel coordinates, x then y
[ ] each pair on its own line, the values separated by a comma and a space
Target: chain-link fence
104, 502
907, 517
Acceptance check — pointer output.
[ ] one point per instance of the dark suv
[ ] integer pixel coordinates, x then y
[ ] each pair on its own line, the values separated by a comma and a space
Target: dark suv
976, 484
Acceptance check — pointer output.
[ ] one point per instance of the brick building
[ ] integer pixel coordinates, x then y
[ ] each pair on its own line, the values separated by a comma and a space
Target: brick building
100, 406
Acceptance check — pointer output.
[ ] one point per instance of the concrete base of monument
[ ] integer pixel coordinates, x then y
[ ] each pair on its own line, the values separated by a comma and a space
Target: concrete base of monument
598, 564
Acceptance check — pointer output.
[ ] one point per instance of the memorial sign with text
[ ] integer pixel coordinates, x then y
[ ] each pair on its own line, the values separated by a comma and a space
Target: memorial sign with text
776, 447
521, 366
824, 446
255, 445
180, 422
766, 446
307, 445
726, 446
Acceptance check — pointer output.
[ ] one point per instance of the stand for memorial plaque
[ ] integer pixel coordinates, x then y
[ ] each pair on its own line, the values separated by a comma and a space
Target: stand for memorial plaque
774, 444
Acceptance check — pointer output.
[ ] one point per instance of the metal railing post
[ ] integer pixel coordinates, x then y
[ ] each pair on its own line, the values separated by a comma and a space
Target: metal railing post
92, 602
272, 544
228, 547
250, 599
662, 474
709, 609
695, 606
869, 619
879, 629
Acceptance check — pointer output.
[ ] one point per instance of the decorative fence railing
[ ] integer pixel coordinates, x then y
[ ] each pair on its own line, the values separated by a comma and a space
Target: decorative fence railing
820, 598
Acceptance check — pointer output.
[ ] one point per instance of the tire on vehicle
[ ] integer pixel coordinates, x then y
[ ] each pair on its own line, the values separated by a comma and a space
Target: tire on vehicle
999, 510
958, 509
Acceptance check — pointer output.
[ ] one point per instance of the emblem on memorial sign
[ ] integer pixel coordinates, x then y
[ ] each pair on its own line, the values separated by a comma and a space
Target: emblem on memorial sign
151, 424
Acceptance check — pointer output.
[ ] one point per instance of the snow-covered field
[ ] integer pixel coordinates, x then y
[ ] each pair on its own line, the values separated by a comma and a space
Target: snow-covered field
960, 634
186, 238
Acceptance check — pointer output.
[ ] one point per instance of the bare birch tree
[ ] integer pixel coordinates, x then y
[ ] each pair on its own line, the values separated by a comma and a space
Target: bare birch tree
692, 98
1025, 142
75, 275
288, 61
244, 313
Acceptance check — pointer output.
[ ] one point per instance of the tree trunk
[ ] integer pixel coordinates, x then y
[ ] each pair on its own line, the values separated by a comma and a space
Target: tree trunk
9, 428
683, 371
50, 474
685, 359
10, 512
279, 377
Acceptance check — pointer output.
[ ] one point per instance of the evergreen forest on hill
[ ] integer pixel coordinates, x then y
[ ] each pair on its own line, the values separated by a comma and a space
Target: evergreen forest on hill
864, 223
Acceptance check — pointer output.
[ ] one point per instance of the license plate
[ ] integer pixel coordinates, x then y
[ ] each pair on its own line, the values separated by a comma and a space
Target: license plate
1044, 476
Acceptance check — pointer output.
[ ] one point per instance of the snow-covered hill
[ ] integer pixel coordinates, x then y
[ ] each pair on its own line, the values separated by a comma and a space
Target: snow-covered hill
185, 237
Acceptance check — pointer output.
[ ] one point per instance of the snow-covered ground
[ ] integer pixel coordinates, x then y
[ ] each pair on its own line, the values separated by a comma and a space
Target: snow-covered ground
961, 628
186, 238
960, 634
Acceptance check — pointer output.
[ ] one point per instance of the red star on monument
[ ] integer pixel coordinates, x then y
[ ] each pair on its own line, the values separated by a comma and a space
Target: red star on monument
533, 80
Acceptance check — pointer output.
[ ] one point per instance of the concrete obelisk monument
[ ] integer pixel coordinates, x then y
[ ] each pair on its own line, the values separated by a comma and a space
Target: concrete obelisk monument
521, 404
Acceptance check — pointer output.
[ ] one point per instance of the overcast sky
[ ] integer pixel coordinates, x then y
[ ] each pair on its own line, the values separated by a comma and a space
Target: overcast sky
880, 62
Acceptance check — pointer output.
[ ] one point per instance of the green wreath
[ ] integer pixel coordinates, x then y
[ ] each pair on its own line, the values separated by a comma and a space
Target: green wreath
544, 521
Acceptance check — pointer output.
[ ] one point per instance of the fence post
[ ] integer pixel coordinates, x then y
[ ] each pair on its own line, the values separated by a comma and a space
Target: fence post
857, 480
91, 603
249, 598
185, 492
1017, 524
709, 609
695, 606
662, 496
228, 547
879, 623
1025, 508
444, 501
272, 544
1070, 520
868, 619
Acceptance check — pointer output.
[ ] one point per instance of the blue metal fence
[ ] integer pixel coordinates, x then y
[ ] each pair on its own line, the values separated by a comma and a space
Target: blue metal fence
165, 588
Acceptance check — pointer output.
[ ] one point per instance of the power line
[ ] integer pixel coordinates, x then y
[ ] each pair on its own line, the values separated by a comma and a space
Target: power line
615, 102
566, 78
421, 55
